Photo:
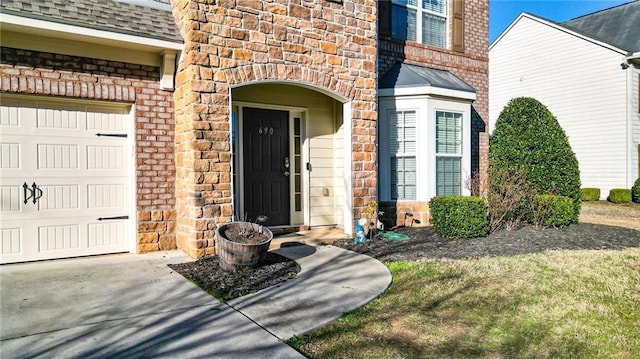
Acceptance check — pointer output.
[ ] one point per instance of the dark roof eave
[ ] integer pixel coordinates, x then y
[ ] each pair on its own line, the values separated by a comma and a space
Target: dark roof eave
405, 76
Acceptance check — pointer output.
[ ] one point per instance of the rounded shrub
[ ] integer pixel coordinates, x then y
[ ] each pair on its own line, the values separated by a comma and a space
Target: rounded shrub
528, 138
459, 216
552, 211
590, 194
635, 191
619, 195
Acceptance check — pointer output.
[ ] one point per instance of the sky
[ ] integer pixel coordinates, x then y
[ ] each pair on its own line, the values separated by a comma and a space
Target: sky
503, 12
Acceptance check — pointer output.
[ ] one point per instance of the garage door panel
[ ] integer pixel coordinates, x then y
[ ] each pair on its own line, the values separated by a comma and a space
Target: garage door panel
104, 121
57, 117
101, 196
10, 199
105, 157
9, 155
58, 237
106, 234
82, 180
9, 114
59, 197
57, 156
11, 240
61, 238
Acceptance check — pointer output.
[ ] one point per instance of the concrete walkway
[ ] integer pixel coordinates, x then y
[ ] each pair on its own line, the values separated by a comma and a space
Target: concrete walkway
135, 306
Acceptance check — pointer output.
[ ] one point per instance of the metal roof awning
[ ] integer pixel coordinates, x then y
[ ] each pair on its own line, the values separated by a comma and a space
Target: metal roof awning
407, 79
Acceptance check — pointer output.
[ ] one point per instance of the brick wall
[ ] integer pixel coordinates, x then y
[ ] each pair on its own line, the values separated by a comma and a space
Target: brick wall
330, 45
63, 76
472, 66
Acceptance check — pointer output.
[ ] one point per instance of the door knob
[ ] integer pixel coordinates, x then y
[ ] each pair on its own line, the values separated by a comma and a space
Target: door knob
286, 173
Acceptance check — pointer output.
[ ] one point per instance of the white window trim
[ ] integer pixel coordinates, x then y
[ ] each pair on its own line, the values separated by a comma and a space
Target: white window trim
425, 107
450, 155
388, 155
463, 107
419, 11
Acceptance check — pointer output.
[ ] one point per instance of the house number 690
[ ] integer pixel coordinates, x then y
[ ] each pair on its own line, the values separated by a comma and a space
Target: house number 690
265, 130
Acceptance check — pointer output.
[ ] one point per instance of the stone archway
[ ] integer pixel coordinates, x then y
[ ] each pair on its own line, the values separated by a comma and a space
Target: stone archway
227, 45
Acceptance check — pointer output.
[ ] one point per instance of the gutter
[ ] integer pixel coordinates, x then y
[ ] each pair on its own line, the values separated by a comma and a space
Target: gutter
633, 58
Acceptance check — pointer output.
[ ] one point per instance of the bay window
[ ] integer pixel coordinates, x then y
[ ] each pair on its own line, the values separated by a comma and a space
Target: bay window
402, 154
448, 153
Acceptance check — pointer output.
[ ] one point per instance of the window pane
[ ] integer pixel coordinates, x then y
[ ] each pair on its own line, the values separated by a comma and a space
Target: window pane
298, 200
448, 132
402, 132
433, 30
297, 164
439, 6
448, 175
406, 2
403, 23
403, 177
296, 126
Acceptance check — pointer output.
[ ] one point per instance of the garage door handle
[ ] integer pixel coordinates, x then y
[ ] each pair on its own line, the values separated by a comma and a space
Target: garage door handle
34, 193
122, 135
112, 218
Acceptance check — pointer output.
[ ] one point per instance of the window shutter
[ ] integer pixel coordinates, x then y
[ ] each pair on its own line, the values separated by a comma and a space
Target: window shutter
457, 43
384, 17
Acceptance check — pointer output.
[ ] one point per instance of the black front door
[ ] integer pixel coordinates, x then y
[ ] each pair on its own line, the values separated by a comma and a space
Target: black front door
266, 165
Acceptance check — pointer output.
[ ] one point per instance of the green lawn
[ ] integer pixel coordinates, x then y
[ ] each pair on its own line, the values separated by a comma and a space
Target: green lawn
565, 304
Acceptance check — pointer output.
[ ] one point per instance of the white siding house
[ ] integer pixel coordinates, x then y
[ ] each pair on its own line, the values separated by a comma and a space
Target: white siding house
589, 83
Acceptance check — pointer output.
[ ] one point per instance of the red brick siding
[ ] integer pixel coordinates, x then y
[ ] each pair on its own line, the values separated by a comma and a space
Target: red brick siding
472, 66
40, 73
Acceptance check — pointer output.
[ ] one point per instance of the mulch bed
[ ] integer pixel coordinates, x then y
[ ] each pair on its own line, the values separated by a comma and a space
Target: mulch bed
225, 285
424, 244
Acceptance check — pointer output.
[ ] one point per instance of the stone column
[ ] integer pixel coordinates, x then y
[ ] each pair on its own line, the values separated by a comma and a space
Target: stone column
203, 158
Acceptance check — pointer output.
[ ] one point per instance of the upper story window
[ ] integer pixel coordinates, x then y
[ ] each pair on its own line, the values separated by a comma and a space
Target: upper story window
423, 21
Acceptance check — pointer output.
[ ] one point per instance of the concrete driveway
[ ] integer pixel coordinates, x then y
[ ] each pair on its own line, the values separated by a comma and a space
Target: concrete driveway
134, 306
121, 306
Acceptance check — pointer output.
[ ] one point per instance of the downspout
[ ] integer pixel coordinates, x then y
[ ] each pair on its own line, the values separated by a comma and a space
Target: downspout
234, 155
630, 63
377, 148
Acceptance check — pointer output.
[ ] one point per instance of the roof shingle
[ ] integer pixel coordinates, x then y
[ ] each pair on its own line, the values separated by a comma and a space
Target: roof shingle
618, 26
107, 15
407, 75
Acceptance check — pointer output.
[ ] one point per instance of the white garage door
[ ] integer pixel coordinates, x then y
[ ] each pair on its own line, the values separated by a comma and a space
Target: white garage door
64, 179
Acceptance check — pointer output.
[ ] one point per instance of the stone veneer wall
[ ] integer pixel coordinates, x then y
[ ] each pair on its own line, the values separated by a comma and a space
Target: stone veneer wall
329, 45
472, 66
63, 76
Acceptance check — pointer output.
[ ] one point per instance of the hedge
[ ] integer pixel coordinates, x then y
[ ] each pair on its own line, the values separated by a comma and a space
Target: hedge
619, 195
459, 216
552, 211
590, 194
635, 191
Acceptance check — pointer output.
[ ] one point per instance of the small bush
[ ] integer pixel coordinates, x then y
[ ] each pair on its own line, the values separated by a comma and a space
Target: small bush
619, 195
635, 191
590, 194
459, 216
552, 211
